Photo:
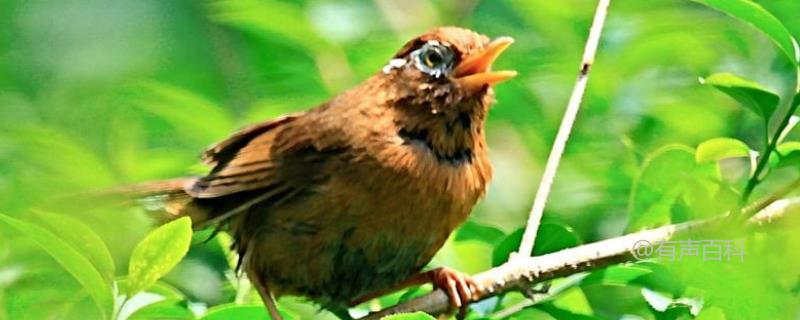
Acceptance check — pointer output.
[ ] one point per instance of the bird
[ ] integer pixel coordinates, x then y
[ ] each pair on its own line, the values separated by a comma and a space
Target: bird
351, 199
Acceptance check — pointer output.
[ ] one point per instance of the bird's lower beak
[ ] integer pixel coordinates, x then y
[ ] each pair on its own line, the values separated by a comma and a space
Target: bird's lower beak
474, 73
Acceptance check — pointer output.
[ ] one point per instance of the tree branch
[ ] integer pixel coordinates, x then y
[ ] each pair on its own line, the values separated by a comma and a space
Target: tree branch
526, 271
770, 147
574, 104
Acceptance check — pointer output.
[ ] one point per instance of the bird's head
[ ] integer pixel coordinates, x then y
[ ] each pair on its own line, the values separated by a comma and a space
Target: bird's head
447, 66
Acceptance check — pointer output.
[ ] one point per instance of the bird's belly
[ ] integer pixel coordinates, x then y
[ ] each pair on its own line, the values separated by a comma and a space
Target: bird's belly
341, 243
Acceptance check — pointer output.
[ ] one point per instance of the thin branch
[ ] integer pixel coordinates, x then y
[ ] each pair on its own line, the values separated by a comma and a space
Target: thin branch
574, 104
526, 271
756, 178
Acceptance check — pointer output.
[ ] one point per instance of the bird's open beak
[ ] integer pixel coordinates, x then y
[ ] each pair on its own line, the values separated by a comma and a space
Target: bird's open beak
474, 73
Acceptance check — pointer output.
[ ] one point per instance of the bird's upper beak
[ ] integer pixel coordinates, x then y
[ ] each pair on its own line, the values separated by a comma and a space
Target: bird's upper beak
475, 72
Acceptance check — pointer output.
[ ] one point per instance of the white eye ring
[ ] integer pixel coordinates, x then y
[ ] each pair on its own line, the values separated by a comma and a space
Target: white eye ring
394, 64
434, 59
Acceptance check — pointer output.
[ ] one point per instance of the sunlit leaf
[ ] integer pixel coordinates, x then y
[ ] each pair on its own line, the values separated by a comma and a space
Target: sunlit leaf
468, 256
711, 313
751, 95
82, 238
721, 148
755, 15
158, 253
419, 315
573, 300
532, 313
170, 309
234, 311
70, 259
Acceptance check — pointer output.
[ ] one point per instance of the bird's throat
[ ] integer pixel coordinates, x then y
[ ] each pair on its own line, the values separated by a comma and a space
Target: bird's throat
452, 139
449, 154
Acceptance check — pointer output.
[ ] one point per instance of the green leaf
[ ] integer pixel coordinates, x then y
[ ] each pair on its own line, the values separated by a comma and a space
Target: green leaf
558, 313
76, 165
753, 14
270, 17
160, 288
70, 259
711, 313
234, 311
158, 253
170, 309
531, 313
419, 315
573, 300
503, 250
659, 279
751, 95
721, 283
166, 290
81, 237
471, 230
194, 115
551, 237
788, 155
669, 174
620, 275
721, 148
48, 293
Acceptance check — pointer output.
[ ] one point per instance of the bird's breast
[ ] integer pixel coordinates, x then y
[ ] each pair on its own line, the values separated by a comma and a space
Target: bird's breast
379, 216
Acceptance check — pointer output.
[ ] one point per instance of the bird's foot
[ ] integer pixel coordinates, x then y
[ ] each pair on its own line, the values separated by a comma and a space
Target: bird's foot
460, 287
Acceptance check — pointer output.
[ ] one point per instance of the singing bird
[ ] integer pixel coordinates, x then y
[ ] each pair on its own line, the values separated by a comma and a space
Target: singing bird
352, 199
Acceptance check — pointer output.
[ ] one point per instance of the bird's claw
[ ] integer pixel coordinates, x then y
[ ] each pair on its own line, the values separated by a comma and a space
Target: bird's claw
460, 287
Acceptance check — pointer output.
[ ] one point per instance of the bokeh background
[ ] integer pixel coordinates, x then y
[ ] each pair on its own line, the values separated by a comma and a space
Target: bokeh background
95, 94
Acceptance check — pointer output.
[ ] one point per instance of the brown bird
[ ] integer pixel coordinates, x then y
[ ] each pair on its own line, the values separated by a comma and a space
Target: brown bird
352, 199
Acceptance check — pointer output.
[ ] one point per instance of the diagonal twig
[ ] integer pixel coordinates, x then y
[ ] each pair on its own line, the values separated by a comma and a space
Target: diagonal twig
574, 104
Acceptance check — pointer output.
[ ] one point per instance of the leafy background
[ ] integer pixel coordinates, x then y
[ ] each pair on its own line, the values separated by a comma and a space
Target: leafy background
95, 94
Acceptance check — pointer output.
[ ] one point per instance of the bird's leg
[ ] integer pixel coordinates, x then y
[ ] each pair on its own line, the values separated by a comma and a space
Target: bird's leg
266, 295
460, 288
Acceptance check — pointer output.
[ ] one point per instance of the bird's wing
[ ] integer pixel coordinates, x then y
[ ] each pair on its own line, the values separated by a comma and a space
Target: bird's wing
279, 159
225, 150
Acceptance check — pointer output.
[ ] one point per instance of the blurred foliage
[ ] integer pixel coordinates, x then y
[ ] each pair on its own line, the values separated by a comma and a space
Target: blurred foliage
95, 94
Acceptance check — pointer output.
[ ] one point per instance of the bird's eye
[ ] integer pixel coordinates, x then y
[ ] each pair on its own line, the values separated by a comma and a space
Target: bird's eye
434, 59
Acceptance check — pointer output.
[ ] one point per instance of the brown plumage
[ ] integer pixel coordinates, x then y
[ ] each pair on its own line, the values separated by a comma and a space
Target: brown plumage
354, 197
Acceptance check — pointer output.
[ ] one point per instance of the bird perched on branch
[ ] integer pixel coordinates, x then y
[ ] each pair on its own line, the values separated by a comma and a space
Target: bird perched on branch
352, 199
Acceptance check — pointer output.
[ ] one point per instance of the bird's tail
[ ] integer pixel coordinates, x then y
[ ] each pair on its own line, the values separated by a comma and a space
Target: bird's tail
164, 200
